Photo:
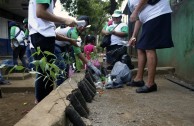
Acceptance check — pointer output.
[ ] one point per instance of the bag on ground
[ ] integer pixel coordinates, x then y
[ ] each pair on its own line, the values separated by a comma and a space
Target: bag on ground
121, 73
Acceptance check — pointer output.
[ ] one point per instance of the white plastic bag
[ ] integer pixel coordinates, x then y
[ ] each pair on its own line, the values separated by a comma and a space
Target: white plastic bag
121, 73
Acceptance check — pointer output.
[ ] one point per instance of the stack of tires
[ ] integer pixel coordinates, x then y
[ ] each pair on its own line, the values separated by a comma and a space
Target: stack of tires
84, 93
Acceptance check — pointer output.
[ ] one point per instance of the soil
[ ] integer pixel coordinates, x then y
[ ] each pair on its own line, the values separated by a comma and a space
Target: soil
14, 106
171, 105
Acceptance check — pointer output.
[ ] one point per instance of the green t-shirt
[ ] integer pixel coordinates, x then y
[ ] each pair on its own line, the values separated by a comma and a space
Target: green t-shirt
12, 32
111, 27
73, 33
44, 1
26, 33
123, 29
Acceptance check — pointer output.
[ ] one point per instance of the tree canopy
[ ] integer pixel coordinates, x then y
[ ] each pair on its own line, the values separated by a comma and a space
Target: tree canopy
98, 10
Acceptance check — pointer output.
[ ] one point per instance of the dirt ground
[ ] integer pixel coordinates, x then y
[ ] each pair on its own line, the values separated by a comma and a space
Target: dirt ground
172, 105
13, 106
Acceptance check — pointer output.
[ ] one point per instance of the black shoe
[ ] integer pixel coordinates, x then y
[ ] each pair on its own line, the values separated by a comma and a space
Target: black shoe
146, 89
136, 83
4, 82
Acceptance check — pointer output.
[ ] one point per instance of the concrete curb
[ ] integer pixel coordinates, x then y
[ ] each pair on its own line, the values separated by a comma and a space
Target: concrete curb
14, 89
51, 110
17, 76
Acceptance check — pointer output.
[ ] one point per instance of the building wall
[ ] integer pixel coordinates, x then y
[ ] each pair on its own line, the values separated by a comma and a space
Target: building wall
3, 28
182, 55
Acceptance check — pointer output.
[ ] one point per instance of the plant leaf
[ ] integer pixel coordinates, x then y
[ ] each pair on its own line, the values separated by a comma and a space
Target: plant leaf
42, 63
49, 53
19, 67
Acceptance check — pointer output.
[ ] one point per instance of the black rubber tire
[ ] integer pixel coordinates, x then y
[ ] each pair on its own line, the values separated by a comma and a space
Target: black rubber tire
89, 85
85, 92
91, 75
77, 105
89, 90
73, 116
81, 99
90, 80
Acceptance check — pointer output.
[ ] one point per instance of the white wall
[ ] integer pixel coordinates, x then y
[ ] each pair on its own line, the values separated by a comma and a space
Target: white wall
3, 28
123, 5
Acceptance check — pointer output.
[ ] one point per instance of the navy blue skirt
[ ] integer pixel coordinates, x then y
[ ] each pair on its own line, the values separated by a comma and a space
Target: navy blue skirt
156, 33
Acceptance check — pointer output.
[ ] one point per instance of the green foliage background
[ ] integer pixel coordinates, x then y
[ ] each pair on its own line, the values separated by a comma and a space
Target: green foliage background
98, 10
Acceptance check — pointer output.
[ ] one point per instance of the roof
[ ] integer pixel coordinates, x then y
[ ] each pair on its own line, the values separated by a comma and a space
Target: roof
15, 7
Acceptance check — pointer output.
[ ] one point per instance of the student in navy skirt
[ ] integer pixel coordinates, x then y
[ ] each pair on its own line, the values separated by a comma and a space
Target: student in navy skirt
155, 21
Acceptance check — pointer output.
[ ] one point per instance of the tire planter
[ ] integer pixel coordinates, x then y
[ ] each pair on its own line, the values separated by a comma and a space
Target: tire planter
81, 99
85, 92
77, 105
73, 116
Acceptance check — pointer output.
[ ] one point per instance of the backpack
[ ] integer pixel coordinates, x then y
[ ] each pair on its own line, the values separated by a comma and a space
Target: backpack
126, 59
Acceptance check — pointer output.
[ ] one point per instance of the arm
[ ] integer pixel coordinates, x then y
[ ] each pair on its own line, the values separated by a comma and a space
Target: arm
137, 27
63, 38
41, 12
12, 32
123, 33
120, 34
137, 10
104, 31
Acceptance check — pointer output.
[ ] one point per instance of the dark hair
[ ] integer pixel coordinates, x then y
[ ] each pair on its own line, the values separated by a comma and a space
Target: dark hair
84, 17
89, 39
12, 23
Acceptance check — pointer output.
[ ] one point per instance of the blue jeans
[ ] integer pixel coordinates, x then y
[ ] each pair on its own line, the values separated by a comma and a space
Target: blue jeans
43, 86
19, 52
29, 53
60, 62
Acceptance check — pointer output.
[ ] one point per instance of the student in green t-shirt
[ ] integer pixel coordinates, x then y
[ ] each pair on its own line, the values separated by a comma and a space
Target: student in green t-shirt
74, 33
42, 33
17, 43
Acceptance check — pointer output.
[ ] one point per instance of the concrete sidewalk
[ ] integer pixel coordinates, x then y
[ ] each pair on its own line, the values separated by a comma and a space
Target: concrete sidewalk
20, 83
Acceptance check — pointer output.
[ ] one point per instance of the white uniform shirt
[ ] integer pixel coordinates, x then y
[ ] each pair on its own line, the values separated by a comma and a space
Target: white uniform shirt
151, 11
20, 36
38, 25
116, 39
62, 31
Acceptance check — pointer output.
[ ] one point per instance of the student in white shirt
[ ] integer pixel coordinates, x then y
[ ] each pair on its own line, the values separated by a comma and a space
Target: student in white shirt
42, 32
155, 21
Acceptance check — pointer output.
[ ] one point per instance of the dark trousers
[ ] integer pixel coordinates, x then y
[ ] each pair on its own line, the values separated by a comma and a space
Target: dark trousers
43, 86
19, 52
60, 62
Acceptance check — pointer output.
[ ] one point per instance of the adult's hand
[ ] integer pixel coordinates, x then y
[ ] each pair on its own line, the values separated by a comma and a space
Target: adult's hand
70, 22
132, 41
